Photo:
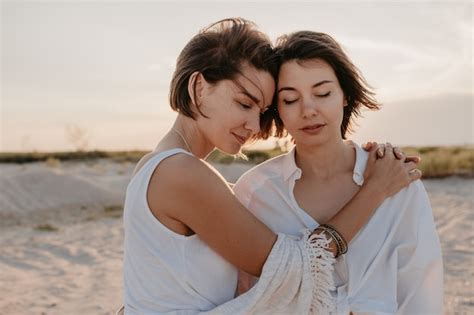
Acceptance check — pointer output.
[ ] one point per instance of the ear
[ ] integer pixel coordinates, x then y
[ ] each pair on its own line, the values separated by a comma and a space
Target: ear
196, 86
345, 103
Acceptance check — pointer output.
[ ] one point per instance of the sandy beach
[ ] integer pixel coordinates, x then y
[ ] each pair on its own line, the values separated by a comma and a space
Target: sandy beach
61, 236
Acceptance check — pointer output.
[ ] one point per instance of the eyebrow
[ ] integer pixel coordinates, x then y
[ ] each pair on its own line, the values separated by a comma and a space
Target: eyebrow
252, 97
287, 88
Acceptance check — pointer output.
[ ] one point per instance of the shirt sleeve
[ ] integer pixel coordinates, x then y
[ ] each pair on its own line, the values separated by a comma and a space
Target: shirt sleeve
420, 265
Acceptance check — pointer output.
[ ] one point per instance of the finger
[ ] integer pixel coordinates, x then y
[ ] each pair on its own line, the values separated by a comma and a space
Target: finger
415, 174
412, 158
373, 154
410, 166
380, 150
399, 154
389, 148
368, 146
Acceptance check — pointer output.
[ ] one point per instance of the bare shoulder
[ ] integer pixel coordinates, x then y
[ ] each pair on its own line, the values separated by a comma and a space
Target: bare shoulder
185, 170
142, 162
181, 180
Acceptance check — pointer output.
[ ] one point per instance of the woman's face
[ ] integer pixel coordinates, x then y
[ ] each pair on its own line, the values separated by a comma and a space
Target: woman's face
310, 101
234, 108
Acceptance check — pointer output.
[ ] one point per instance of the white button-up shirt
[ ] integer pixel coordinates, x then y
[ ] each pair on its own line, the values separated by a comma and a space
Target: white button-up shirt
394, 263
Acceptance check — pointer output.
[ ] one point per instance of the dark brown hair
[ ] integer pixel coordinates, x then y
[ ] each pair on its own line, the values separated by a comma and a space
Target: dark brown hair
305, 45
218, 53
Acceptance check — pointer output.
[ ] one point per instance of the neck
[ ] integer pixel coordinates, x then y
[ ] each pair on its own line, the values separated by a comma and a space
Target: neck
186, 133
324, 161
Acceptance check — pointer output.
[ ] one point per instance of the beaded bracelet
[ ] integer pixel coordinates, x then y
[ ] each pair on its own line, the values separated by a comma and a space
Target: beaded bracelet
341, 244
333, 238
336, 240
339, 238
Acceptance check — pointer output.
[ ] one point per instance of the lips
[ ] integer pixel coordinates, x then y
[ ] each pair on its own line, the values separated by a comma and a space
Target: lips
313, 129
240, 139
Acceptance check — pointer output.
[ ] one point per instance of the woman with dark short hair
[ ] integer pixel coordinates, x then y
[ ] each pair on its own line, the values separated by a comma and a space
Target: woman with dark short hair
393, 264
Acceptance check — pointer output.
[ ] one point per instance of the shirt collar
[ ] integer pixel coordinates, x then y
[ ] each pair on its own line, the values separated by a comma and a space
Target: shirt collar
360, 164
289, 165
290, 168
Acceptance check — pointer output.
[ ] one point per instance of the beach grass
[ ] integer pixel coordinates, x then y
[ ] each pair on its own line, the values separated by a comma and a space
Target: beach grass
29, 157
46, 227
437, 162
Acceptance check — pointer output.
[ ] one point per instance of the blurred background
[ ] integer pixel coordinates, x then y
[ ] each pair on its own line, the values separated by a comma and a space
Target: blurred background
102, 68
84, 94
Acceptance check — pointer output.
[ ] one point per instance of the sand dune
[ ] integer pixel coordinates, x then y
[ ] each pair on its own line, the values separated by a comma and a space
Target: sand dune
61, 236
30, 192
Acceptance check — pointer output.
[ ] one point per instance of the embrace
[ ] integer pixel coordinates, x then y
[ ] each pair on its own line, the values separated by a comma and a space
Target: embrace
330, 227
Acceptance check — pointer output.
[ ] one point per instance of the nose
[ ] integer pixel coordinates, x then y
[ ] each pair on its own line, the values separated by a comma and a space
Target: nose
253, 124
310, 107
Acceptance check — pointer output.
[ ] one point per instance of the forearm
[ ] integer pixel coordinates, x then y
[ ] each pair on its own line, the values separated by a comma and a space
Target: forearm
357, 212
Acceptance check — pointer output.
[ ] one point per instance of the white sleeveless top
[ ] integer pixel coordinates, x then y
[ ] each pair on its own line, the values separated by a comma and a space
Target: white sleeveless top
165, 271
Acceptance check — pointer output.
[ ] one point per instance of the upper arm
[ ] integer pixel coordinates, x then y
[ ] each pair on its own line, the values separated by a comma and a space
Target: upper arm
189, 191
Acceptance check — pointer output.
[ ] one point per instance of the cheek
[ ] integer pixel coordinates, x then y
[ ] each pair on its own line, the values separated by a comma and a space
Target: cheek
253, 116
232, 117
287, 114
334, 108
340, 110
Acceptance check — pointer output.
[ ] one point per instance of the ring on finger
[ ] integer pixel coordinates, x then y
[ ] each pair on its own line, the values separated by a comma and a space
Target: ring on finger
381, 150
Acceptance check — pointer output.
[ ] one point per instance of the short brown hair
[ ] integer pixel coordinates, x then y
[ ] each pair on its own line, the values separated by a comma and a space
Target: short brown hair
306, 45
218, 52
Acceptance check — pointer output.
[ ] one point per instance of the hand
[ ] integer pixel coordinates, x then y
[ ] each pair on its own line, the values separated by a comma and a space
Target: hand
381, 149
389, 174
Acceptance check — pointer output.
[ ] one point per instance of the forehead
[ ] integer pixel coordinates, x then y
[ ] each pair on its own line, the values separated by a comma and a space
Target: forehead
294, 72
259, 83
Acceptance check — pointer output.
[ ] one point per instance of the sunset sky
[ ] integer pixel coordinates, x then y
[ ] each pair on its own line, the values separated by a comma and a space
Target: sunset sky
105, 66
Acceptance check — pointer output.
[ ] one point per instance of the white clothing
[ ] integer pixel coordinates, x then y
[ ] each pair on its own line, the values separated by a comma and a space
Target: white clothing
295, 279
393, 265
164, 271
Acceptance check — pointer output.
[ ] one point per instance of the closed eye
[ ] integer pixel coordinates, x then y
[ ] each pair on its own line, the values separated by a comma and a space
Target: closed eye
245, 106
288, 102
324, 95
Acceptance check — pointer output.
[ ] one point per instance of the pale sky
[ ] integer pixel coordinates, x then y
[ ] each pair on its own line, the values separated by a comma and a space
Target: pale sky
105, 66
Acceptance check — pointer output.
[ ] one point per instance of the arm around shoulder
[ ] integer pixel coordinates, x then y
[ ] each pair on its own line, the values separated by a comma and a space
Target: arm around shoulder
191, 192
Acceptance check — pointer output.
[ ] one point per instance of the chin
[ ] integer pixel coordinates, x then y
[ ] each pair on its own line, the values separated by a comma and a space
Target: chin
316, 141
231, 149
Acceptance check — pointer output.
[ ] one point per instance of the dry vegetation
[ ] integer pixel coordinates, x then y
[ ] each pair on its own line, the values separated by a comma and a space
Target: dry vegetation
439, 162
436, 161
118, 156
